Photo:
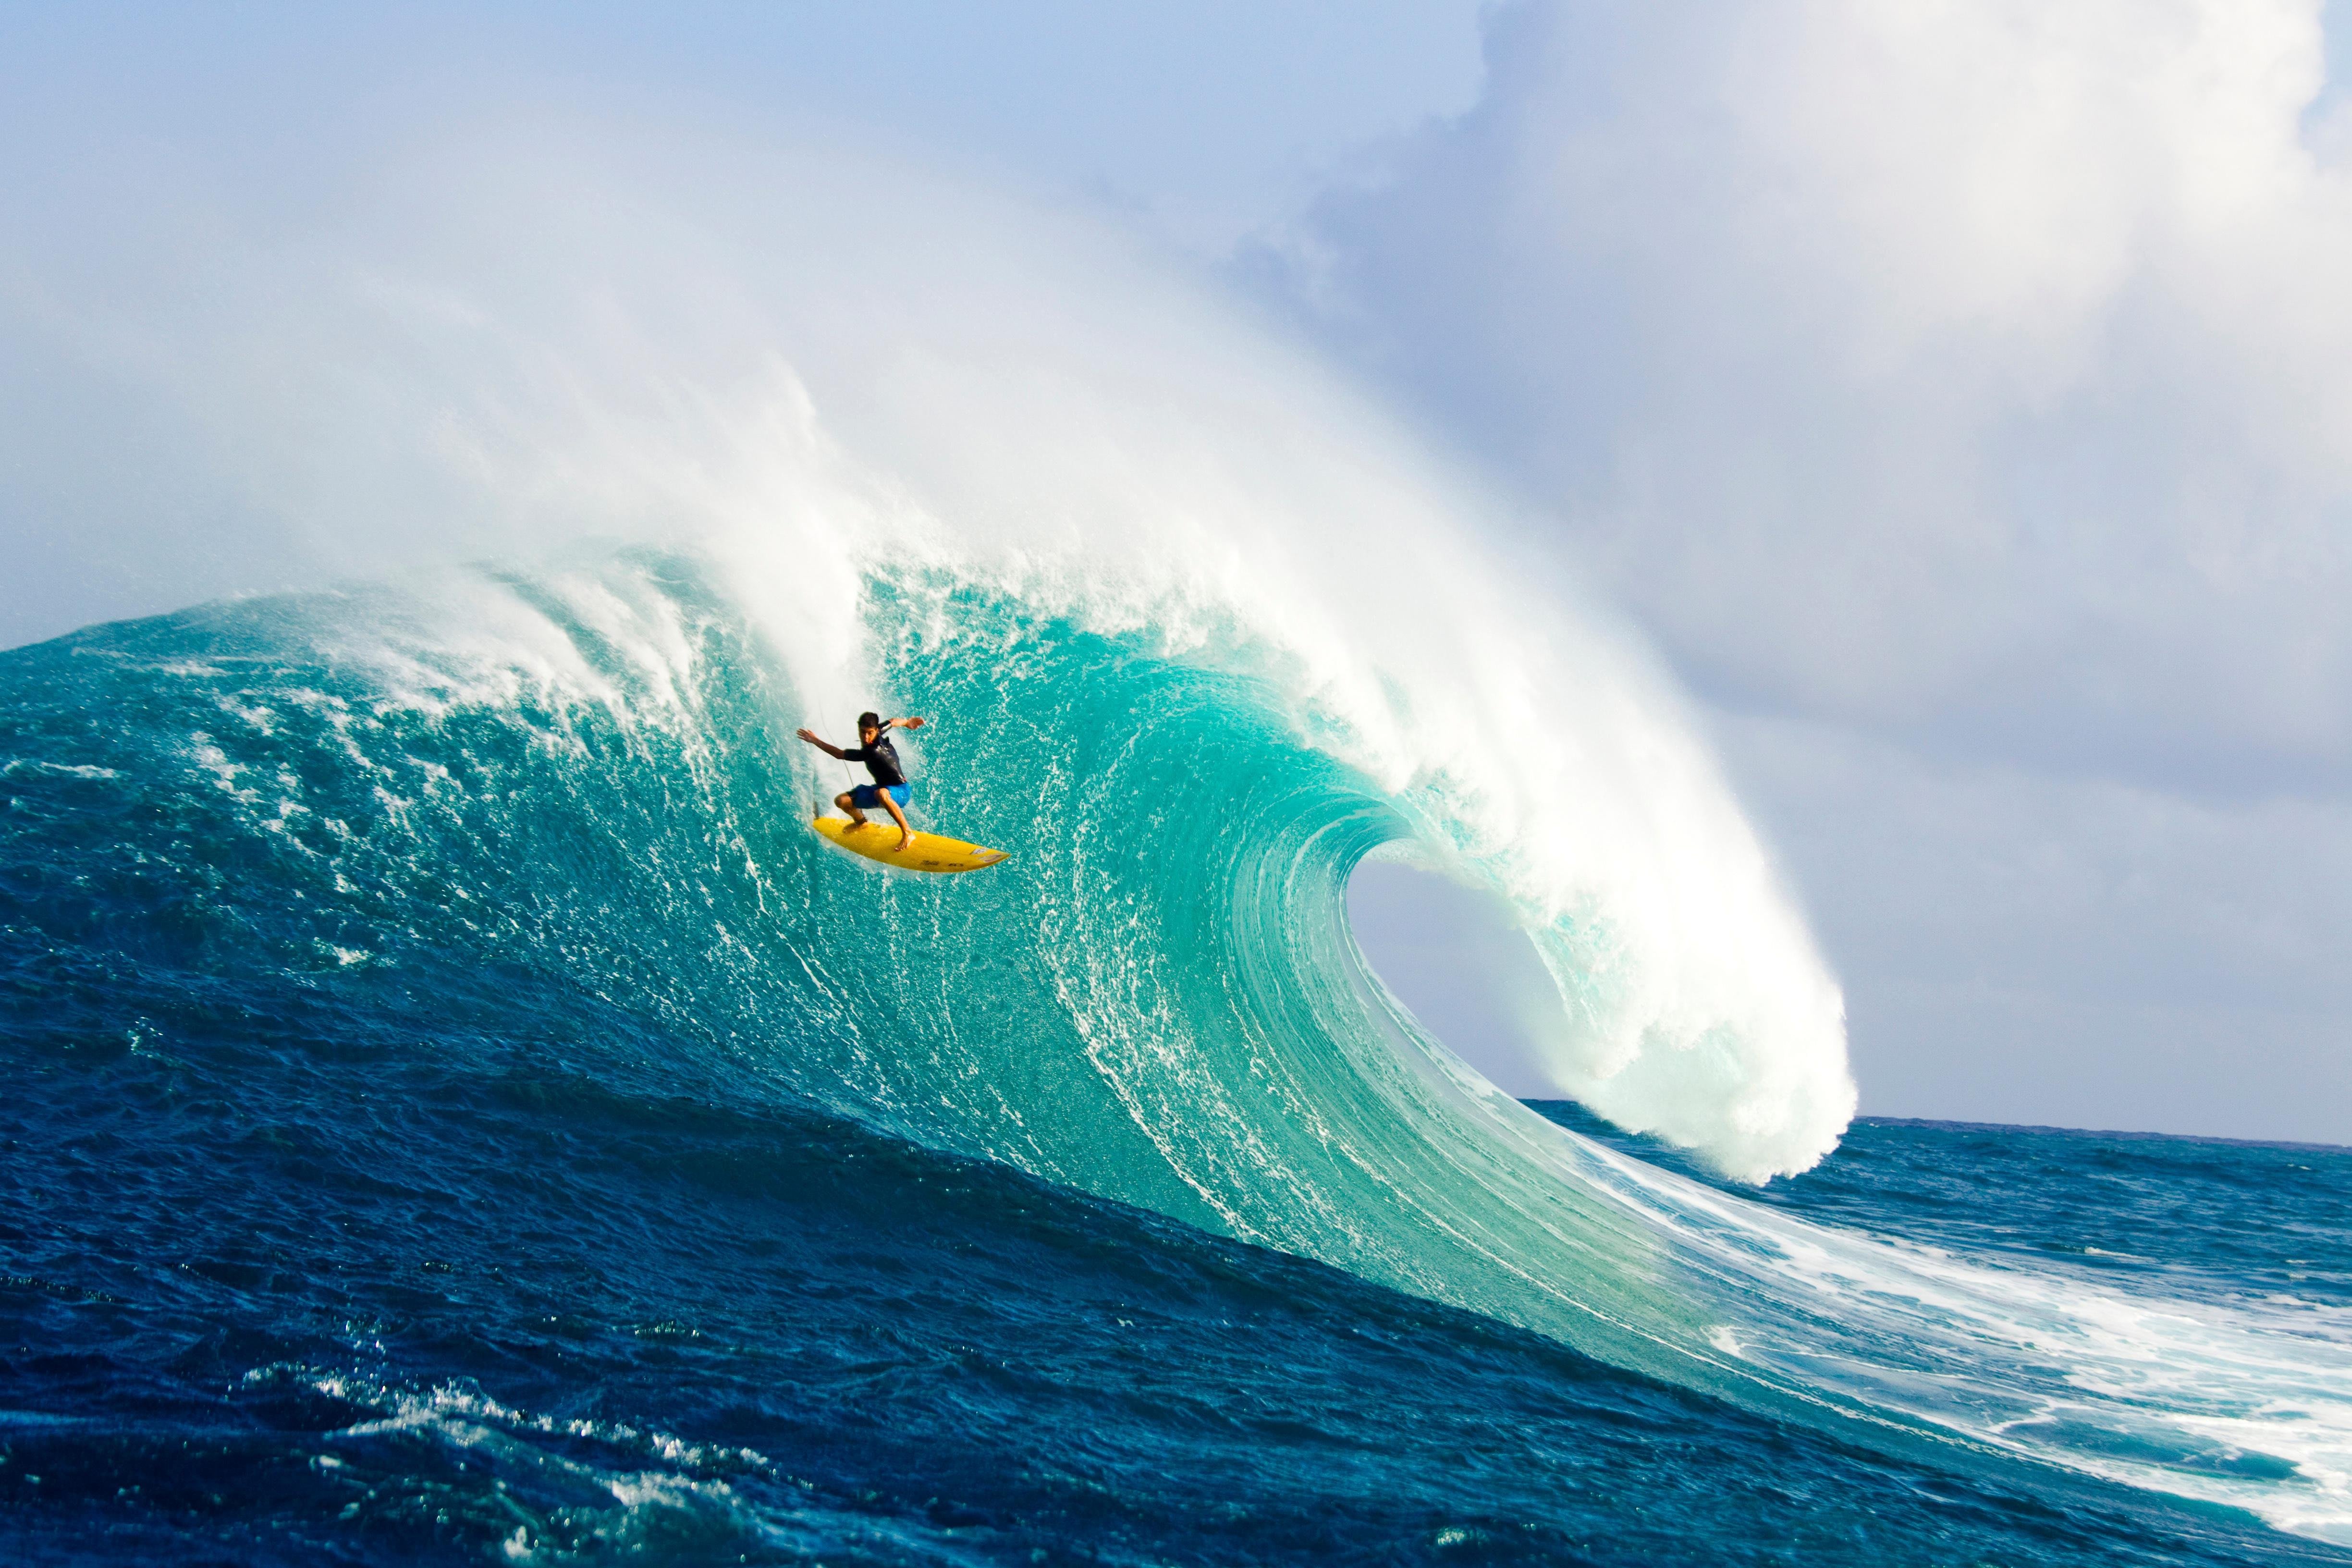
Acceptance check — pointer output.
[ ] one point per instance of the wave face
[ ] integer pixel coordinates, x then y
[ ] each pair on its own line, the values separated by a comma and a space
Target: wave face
301, 886
592, 778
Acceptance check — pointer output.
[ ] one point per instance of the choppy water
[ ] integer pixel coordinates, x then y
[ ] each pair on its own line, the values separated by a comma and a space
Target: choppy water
454, 1111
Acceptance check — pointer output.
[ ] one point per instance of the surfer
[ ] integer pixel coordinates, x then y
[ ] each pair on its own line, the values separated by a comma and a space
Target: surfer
889, 789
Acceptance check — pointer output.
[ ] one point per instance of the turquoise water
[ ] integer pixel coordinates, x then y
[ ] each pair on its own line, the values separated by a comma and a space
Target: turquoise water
456, 1110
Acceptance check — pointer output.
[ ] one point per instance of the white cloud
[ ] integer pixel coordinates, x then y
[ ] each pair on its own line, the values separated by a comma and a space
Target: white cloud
1963, 396
1889, 355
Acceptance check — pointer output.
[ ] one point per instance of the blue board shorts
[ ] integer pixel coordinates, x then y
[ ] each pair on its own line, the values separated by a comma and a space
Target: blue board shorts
868, 797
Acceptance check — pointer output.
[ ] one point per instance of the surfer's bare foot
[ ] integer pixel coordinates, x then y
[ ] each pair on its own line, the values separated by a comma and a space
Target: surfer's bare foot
905, 842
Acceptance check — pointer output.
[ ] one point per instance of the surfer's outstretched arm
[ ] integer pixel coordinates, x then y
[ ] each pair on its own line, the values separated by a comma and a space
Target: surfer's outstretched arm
826, 747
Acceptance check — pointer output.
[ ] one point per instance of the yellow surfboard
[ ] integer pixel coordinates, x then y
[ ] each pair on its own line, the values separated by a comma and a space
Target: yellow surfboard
930, 852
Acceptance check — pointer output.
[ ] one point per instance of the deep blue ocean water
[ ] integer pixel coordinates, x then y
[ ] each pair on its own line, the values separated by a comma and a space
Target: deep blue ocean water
449, 1120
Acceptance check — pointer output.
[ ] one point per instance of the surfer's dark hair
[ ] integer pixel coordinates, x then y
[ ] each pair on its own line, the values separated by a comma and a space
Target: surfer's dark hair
869, 720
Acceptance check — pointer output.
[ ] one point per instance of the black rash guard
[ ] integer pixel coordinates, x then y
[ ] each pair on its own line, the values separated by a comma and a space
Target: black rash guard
881, 760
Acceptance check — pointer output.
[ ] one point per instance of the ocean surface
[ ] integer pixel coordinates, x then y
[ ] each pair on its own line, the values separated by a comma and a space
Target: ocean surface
454, 1112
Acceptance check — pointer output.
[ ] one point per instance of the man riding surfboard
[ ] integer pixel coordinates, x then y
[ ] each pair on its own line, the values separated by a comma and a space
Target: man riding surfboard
889, 789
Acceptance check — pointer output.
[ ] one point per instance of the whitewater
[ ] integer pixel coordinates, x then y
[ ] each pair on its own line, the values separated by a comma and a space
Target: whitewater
457, 1109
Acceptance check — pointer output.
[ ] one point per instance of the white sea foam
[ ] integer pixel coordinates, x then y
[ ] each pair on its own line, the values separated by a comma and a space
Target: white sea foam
2154, 1391
60, 770
843, 364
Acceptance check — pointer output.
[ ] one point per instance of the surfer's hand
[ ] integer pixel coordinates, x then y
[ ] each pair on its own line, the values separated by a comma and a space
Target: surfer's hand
810, 736
911, 723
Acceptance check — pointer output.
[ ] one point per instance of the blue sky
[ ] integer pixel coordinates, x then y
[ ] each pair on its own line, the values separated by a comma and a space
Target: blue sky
1206, 119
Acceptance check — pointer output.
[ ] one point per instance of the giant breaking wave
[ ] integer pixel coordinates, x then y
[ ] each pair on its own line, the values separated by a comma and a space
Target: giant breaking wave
1202, 631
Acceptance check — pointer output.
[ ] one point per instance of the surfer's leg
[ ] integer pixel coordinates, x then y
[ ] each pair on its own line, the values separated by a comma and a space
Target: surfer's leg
906, 834
847, 801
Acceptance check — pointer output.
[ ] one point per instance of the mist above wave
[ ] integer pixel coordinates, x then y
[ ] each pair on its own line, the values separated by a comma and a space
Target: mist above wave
508, 339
